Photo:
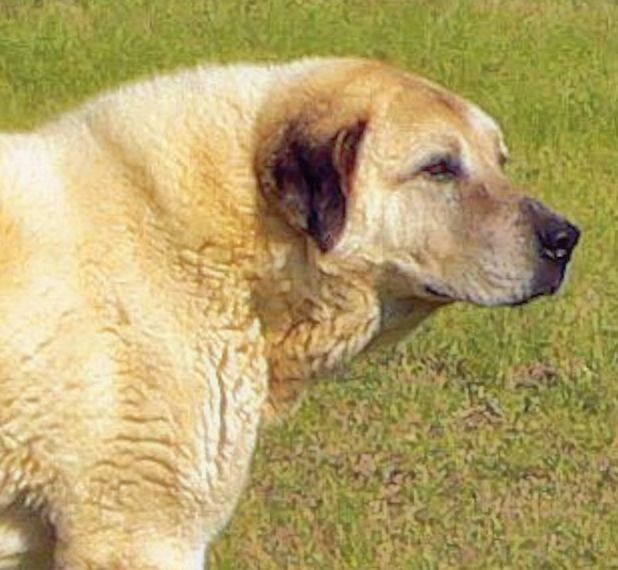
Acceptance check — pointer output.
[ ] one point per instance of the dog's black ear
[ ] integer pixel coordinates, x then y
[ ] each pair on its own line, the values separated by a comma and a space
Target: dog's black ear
310, 180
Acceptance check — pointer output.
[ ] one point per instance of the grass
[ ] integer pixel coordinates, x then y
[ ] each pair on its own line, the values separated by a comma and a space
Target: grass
489, 440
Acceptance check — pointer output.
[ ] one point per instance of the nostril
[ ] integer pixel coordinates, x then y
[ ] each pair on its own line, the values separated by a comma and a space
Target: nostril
558, 243
562, 244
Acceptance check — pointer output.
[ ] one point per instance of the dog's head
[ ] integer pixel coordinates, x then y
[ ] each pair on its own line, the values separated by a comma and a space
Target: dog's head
396, 177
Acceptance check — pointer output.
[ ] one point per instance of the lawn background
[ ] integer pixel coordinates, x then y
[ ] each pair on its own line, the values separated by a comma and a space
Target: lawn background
488, 440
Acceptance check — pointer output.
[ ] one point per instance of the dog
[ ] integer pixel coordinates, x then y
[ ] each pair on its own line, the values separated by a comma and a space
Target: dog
180, 257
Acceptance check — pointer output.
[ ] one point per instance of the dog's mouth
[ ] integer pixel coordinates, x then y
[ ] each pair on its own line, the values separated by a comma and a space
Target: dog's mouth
441, 294
547, 281
444, 297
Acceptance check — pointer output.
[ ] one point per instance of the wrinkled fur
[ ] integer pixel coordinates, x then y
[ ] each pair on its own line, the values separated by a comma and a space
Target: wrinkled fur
173, 269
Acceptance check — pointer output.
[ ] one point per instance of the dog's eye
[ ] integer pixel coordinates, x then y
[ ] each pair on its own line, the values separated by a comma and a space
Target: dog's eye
443, 169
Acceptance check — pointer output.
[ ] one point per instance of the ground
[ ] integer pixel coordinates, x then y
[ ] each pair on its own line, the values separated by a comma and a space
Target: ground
489, 439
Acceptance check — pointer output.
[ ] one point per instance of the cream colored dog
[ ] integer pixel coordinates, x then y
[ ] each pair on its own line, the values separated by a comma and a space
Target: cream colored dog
179, 257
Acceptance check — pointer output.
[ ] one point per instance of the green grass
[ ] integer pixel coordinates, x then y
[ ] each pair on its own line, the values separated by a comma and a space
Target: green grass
490, 439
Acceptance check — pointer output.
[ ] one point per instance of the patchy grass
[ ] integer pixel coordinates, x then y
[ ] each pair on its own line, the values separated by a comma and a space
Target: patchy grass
489, 439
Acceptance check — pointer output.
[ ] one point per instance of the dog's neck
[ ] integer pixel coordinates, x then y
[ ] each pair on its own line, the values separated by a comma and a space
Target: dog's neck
316, 320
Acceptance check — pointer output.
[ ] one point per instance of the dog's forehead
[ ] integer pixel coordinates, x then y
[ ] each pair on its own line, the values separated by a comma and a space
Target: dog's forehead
470, 114
417, 113
478, 125
423, 101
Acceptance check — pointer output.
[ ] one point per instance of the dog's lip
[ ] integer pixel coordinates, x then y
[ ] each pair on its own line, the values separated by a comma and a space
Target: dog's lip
525, 300
443, 296
549, 279
436, 291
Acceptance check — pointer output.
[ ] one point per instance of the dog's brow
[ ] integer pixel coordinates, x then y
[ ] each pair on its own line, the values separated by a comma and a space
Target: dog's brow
450, 152
481, 120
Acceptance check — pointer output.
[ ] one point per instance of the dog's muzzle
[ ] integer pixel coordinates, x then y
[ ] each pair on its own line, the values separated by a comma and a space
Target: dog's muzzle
556, 239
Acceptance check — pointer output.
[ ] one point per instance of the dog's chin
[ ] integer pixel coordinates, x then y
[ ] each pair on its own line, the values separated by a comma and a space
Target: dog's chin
546, 282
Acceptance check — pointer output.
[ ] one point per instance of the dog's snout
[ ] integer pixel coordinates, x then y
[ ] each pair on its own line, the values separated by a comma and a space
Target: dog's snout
557, 237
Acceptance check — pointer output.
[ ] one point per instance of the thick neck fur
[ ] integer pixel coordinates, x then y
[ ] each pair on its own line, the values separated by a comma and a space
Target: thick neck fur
313, 318
313, 321
318, 314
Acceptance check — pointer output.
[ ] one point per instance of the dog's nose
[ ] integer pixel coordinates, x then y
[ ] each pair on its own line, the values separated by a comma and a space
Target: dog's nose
558, 240
557, 236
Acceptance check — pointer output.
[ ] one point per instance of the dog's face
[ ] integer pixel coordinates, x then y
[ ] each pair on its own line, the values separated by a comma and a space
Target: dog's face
409, 187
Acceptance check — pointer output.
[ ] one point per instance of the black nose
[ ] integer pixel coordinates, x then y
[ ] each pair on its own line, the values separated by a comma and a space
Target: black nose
557, 236
558, 240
